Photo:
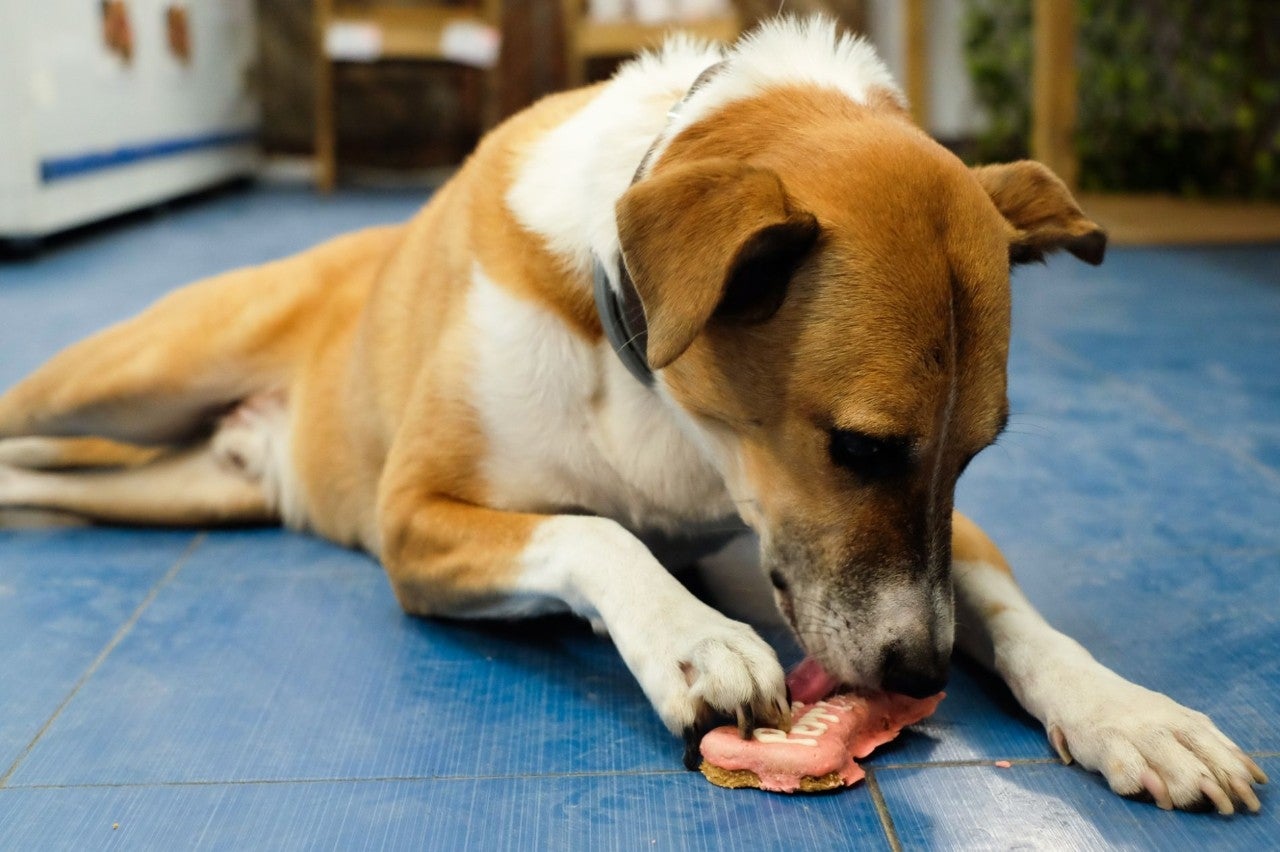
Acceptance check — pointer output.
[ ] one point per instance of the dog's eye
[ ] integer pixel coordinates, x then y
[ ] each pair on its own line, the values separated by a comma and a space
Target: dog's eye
870, 456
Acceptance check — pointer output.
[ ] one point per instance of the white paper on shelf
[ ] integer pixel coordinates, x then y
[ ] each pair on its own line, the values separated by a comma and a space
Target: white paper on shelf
471, 43
353, 41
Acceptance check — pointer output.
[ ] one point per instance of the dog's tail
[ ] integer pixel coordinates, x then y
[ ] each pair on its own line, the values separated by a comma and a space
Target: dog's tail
164, 376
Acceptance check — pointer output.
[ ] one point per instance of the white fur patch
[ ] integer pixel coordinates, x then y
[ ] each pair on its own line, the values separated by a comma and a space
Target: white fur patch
254, 442
567, 427
572, 178
788, 51
685, 654
1138, 739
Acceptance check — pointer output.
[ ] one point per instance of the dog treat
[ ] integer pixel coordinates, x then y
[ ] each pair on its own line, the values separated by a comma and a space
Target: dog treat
818, 753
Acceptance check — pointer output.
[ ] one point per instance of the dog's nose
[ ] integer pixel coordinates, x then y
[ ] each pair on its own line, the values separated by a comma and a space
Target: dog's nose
918, 675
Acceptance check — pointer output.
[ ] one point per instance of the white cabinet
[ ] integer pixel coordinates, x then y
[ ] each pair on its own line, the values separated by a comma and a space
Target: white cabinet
86, 131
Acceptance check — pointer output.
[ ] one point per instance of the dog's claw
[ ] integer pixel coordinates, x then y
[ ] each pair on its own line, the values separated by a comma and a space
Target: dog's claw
692, 750
1245, 794
784, 717
746, 721
1059, 741
1215, 794
1255, 771
1154, 784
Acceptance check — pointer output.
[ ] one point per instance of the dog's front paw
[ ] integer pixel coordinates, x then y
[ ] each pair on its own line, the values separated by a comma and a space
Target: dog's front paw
715, 671
1144, 743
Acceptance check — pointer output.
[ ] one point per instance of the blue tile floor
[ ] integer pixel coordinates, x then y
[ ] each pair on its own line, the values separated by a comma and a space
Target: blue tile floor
258, 689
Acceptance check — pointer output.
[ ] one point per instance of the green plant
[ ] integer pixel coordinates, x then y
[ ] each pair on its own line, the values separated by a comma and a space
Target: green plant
1175, 95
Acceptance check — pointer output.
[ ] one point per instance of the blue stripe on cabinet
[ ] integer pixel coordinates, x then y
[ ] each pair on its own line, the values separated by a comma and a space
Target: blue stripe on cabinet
60, 168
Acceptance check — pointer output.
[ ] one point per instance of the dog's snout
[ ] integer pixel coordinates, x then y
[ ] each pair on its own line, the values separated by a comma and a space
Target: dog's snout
918, 674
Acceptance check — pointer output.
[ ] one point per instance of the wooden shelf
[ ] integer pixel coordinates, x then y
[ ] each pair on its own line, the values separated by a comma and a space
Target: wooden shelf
587, 39
395, 33
619, 39
408, 32
1168, 220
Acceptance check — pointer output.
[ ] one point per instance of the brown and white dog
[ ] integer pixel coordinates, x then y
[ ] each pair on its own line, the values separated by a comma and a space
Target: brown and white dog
812, 299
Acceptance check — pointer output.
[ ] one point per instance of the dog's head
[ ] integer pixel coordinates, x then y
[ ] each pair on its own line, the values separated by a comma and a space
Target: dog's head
826, 292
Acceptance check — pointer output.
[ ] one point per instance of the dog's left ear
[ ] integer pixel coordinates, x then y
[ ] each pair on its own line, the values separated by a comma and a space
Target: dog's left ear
713, 238
1043, 214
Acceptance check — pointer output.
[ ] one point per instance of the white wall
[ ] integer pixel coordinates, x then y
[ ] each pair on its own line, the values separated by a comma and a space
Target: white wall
953, 113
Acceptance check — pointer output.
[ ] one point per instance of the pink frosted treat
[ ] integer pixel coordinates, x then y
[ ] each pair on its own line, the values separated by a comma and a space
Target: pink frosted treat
818, 753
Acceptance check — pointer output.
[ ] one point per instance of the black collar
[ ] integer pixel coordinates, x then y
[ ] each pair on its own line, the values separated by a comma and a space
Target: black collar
621, 313
622, 316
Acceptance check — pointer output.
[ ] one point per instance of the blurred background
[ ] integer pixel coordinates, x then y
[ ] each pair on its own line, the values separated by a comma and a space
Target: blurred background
1168, 111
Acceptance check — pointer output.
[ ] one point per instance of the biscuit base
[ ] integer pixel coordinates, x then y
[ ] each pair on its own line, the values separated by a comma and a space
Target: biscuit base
737, 778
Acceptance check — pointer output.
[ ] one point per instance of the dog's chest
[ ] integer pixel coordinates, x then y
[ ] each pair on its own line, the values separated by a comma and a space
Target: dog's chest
567, 428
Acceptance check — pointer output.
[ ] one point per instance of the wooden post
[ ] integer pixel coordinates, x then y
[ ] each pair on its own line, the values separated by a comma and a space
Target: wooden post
326, 153
575, 66
1053, 88
916, 25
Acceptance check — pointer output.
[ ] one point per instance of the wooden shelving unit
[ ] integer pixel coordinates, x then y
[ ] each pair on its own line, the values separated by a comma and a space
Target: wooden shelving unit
586, 39
412, 33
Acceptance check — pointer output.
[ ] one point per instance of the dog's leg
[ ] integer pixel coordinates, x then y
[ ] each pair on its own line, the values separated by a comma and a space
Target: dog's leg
162, 377
36, 453
149, 380
1140, 740
450, 558
235, 476
190, 487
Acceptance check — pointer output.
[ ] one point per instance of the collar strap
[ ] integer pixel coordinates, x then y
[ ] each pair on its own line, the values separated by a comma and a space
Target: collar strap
622, 317
621, 313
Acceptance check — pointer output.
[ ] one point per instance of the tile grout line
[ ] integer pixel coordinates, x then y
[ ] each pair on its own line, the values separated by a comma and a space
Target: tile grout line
119, 636
370, 779
1013, 761
873, 785
882, 811
965, 764
1048, 346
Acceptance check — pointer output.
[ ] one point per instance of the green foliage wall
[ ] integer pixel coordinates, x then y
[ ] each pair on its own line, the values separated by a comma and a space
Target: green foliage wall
1175, 95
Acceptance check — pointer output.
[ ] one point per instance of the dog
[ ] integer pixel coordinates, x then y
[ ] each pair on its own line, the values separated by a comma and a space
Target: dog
729, 286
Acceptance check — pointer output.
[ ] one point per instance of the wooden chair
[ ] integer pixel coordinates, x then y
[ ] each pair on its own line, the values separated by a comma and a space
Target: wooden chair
416, 33
587, 39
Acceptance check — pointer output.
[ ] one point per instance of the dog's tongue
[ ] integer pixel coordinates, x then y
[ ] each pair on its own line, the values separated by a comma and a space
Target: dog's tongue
809, 682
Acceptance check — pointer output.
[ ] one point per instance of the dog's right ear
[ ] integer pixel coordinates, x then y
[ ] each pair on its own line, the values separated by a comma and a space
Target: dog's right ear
712, 238
1043, 214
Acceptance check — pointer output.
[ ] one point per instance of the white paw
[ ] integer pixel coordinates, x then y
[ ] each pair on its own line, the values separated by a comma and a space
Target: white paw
25, 452
13, 486
703, 669
241, 450
243, 440
1144, 742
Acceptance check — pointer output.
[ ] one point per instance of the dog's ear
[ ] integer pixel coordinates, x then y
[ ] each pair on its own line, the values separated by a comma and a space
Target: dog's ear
714, 238
1043, 214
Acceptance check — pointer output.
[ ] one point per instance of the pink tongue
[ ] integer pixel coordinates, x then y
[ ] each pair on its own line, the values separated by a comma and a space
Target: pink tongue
810, 682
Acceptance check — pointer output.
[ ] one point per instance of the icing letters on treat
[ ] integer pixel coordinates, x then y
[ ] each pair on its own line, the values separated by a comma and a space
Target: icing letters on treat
805, 730
830, 734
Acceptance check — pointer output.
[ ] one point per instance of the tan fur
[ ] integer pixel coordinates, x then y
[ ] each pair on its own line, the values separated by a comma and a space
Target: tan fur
828, 151
37, 453
367, 336
343, 390
721, 203
970, 544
